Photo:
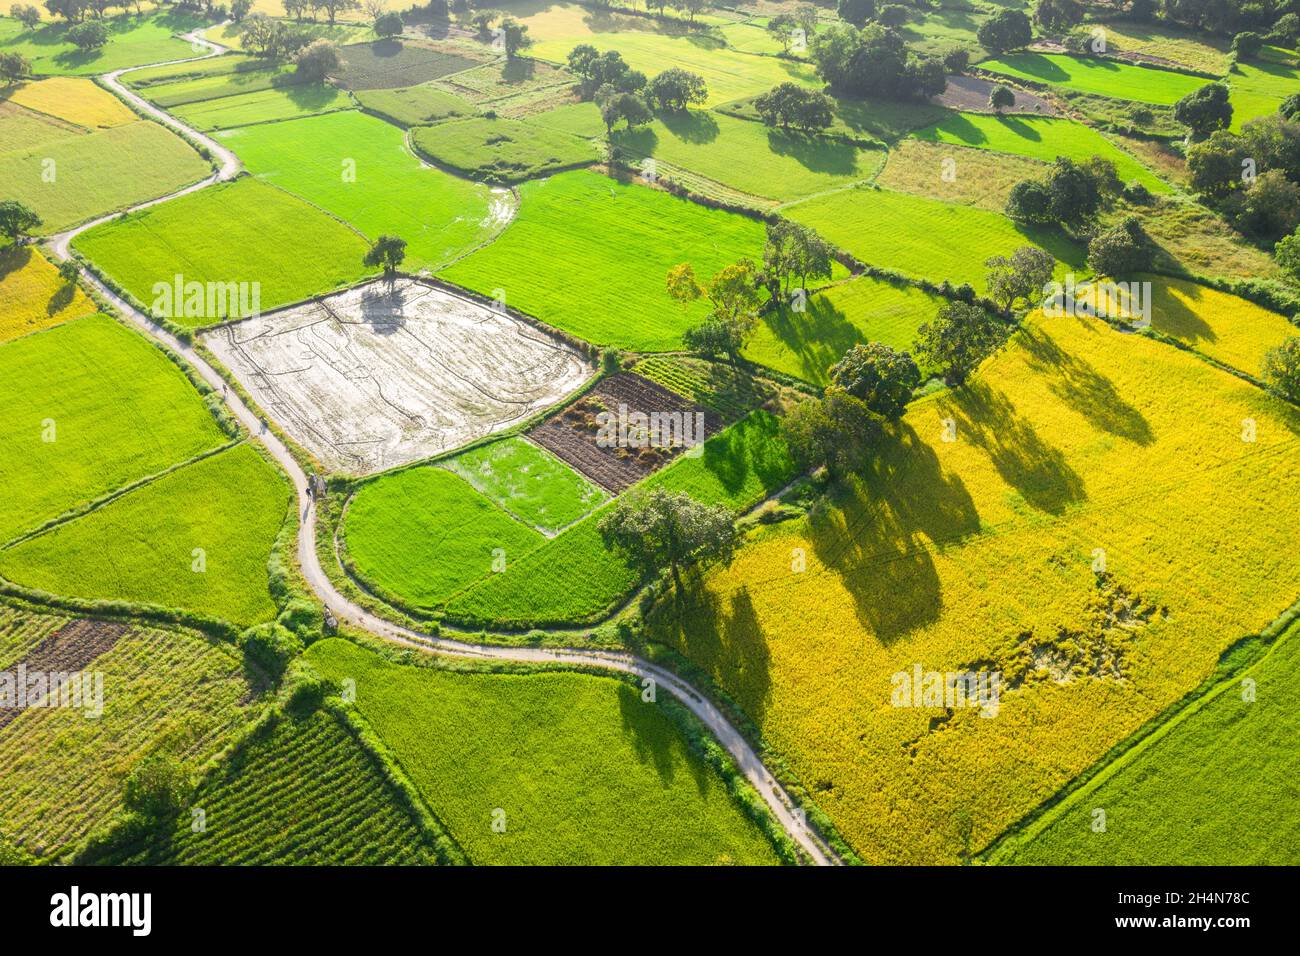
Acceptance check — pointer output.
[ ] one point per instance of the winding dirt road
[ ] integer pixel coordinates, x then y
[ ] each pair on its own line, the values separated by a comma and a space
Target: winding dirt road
341, 606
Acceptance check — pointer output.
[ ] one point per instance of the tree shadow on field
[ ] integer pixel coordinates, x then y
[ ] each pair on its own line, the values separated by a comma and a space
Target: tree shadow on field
642, 724
519, 70
1035, 468
878, 534
1083, 388
721, 633
815, 153
818, 337
1176, 318
691, 126
383, 310
1020, 129
61, 299
13, 257
311, 96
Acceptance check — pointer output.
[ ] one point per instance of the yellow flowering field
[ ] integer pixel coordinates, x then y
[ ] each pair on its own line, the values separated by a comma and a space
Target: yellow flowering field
74, 99
33, 296
1098, 530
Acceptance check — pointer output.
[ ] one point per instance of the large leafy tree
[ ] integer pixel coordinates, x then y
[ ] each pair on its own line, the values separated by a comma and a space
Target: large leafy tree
388, 253
1004, 31
835, 432
1282, 368
17, 220
1204, 110
1121, 251
879, 376
675, 89
1058, 16
959, 338
669, 530
1022, 275
734, 296
856, 12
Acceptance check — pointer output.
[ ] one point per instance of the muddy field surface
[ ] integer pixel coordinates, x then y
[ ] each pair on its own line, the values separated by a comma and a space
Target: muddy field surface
376, 377
971, 93
69, 649
587, 435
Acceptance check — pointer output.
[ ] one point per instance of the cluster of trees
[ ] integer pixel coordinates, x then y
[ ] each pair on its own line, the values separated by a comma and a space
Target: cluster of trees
14, 67
624, 94
1071, 196
273, 39
17, 220
28, 15
1005, 31
735, 293
790, 105
873, 60
1253, 178
784, 26
513, 34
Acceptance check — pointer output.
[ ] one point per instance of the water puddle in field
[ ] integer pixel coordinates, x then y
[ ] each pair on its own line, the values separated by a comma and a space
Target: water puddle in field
501, 209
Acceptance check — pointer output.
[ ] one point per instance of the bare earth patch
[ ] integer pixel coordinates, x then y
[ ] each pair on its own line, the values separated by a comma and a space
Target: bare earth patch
373, 377
972, 93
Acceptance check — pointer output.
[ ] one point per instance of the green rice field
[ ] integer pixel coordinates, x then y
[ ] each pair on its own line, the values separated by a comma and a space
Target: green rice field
1099, 76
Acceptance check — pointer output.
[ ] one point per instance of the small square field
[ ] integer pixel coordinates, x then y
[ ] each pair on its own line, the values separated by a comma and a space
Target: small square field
378, 376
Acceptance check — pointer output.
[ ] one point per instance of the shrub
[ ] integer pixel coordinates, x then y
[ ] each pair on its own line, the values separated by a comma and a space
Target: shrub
304, 618
1205, 110
1282, 368
271, 647
156, 789
1121, 251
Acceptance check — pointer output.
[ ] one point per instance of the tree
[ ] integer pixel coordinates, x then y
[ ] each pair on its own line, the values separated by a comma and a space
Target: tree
88, 35
789, 104
1204, 110
668, 529
333, 8
156, 789
1001, 98
835, 432
598, 70
239, 9
17, 220
956, 60
388, 24
734, 296
1023, 275
1005, 31
674, 89
793, 249
1216, 164
71, 10
14, 67
28, 16
1058, 16
879, 376
690, 7
1247, 45
782, 27
1271, 206
1030, 202
514, 35
1122, 251
893, 15
1282, 368
805, 15
960, 337
69, 271
318, 59
388, 253
856, 12
615, 106
1287, 253
1075, 194
874, 61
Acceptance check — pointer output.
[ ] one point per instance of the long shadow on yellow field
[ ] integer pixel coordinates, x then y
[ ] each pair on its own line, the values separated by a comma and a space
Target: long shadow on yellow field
878, 536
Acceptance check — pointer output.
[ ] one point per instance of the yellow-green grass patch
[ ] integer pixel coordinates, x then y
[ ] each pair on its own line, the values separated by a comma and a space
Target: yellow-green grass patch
618, 240
244, 231
1098, 76
421, 105
578, 768
749, 157
502, 150
956, 174
1039, 137
89, 407
263, 106
72, 179
73, 99
33, 296
132, 40
359, 169
923, 237
198, 539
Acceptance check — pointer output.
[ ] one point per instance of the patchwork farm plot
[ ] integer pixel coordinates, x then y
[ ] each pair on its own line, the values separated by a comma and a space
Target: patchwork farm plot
717, 340
382, 374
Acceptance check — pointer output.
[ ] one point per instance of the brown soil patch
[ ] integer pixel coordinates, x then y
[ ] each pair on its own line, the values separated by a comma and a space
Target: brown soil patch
71, 648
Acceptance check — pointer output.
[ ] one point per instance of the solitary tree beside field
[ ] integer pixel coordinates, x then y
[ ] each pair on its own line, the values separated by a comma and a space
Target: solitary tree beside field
1022, 275
1001, 98
1282, 368
675, 89
668, 529
318, 59
69, 271
735, 297
388, 24
1204, 110
28, 15
388, 252
14, 67
514, 37
17, 220
87, 36
835, 432
878, 376
1008, 30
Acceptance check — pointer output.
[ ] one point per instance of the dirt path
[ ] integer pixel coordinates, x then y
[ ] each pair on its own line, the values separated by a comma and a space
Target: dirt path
773, 794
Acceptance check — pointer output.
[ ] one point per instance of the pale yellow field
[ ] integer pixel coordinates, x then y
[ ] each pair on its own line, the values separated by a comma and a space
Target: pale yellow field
32, 296
978, 554
74, 99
